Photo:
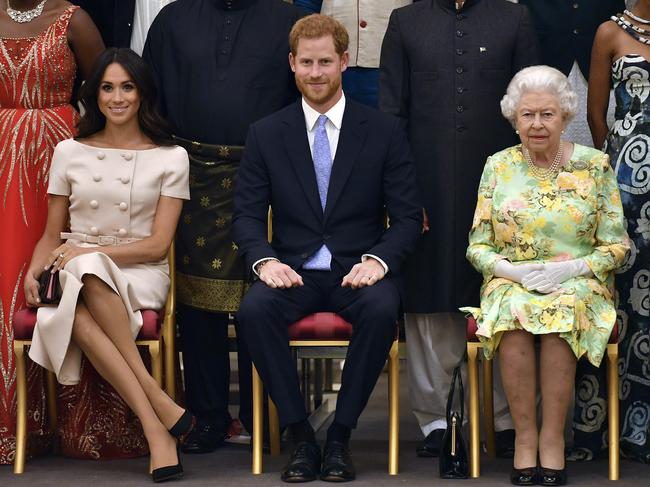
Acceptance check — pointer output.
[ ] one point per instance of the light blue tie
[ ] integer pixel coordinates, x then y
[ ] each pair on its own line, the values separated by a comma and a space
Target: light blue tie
323, 166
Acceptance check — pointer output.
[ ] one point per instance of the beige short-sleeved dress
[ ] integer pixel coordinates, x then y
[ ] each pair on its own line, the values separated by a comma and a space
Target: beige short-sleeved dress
113, 192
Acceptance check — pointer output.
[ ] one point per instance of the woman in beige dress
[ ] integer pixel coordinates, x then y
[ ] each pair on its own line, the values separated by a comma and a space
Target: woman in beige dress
116, 193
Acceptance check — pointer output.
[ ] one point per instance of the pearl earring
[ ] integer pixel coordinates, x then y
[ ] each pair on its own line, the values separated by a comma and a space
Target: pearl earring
517, 132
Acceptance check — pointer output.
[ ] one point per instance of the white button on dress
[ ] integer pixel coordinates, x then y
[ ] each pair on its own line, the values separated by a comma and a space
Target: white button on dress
94, 204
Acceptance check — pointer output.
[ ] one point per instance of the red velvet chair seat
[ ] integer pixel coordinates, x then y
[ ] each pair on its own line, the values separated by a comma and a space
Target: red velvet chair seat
25, 322
320, 326
472, 326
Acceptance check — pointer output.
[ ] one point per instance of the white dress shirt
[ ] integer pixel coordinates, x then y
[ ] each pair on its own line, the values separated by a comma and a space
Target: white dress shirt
333, 128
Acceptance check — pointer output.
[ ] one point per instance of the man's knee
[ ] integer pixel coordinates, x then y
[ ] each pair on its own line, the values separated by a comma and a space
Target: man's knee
380, 304
257, 304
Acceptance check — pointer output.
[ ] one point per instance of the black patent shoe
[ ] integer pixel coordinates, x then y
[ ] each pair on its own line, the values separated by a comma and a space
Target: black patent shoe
550, 476
183, 426
169, 472
203, 438
303, 464
524, 476
337, 463
430, 446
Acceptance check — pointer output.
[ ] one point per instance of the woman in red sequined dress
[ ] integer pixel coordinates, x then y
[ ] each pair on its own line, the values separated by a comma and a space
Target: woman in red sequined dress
42, 43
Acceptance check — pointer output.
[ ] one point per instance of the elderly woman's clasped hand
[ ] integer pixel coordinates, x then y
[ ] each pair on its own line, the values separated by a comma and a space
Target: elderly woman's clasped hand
544, 278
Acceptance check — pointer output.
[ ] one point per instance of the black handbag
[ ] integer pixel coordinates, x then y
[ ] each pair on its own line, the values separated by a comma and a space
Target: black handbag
453, 453
49, 290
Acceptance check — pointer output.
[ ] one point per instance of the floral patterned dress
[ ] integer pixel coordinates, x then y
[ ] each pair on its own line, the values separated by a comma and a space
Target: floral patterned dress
576, 215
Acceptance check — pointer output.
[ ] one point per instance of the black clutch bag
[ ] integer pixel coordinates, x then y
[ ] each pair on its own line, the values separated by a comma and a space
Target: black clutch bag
49, 290
453, 453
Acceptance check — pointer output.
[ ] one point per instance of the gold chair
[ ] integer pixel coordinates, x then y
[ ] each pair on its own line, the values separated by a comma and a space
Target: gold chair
324, 321
158, 332
473, 347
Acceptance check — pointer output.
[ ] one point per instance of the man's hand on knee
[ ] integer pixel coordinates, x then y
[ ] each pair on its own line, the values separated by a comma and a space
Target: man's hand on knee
275, 274
364, 274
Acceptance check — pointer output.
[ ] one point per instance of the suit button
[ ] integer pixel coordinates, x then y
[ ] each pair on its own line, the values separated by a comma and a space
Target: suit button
97, 178
121, 232
125, 179
94, 204
100, 155
128, 156
460, 128
327, 236
575, 5
123, 206
460, 52
304, 256
576, 31
94, 230
460, 89
460, 16
459, 70
363, 24
459, 33
460, 108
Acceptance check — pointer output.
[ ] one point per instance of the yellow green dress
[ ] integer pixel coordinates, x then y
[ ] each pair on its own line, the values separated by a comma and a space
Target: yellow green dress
576, 214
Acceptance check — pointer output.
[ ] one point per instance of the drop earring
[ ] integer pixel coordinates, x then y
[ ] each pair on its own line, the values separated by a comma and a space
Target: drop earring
517, 132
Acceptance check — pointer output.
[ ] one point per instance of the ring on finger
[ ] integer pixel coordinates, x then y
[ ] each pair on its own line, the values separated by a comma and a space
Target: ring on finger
61, 255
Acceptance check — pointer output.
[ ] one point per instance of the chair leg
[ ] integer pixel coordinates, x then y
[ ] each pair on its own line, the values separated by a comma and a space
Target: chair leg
613, 411
156, 361
474, 427
258, 422
393, 409
51, 400
274, 428
169, 352
21, 410
488, 407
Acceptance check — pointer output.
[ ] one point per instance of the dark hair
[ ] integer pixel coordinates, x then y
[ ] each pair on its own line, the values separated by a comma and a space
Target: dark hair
152, 124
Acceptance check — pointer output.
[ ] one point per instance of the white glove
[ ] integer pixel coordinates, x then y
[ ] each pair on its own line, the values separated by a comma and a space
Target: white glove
515, 273
554, 274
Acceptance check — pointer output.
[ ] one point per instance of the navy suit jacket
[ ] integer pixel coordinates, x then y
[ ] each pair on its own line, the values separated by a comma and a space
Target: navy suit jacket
372, 173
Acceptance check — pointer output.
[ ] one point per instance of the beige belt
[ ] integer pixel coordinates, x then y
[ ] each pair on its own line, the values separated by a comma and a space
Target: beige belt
98, 239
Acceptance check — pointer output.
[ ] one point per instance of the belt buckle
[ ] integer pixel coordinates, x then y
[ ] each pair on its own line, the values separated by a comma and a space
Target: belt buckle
106, 240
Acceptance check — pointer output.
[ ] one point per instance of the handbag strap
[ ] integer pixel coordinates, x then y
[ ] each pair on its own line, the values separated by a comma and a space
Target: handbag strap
456, 376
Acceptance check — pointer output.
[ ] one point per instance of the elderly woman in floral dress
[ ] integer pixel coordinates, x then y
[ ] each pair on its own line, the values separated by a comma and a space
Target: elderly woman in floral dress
547, 235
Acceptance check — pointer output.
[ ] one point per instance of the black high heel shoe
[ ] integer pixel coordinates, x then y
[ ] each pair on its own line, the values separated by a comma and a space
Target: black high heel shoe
524, 476
552, 477
183, 426
169, 472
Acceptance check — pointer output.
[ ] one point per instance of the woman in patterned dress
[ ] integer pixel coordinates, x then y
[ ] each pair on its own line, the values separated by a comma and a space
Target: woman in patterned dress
38, 63
547, 234
621, 59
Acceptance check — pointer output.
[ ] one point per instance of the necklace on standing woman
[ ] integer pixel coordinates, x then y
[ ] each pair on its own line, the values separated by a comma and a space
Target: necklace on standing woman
26, 15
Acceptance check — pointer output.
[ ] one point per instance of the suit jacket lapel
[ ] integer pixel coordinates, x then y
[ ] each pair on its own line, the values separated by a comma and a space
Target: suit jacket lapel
297, 145
351, 139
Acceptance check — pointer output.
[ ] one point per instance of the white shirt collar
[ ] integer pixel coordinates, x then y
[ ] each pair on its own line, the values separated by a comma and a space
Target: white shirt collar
334, 114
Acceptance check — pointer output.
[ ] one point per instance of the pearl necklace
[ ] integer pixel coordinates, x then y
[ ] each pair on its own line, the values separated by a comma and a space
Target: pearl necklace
635, 17
25, 16
543, 173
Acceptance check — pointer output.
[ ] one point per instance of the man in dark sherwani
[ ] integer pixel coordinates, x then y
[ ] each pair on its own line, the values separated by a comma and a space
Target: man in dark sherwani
444, 68
220, 65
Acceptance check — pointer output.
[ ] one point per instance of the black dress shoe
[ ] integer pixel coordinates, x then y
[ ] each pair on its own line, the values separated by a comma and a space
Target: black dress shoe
303, 464
505, 443
550, 476
169, 472
430, 446
183, 426
204, 438
524, 476
337, 463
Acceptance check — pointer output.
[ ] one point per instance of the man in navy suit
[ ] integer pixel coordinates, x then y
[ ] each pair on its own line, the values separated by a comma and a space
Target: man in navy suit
329, 168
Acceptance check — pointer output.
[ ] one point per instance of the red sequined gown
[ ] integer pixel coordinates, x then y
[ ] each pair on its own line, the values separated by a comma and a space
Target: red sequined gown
36, 81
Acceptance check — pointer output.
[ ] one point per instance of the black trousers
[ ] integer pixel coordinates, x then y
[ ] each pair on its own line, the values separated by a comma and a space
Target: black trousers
265, 314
